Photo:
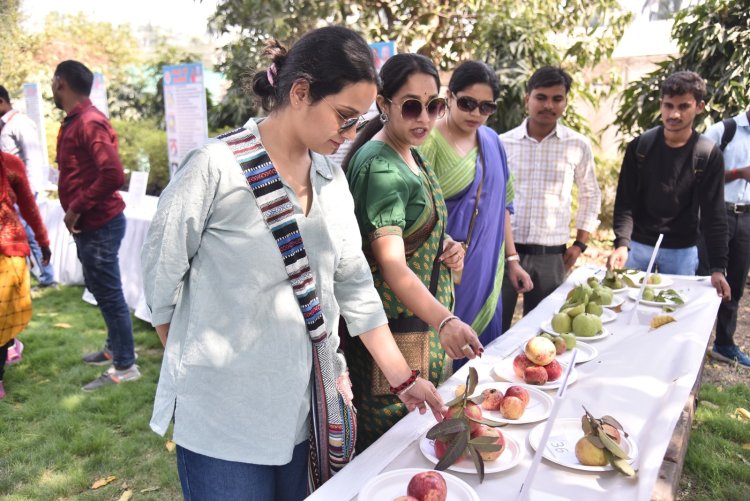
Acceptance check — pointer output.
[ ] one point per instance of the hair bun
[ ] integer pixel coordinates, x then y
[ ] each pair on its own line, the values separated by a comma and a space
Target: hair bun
276, 52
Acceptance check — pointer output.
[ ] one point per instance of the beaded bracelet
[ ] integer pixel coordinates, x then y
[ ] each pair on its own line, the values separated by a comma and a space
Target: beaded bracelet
445, 321
406, 384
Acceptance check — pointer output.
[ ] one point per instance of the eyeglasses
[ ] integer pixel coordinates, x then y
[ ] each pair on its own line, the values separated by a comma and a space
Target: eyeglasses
411, 109
469, 104
347, 123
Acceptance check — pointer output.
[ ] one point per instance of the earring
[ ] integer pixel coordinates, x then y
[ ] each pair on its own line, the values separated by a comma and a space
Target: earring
384, 118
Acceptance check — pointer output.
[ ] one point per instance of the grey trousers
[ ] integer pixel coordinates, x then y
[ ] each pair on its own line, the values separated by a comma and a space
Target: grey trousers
546, 271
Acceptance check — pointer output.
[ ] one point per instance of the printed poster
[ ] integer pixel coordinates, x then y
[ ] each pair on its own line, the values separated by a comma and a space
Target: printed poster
184, 110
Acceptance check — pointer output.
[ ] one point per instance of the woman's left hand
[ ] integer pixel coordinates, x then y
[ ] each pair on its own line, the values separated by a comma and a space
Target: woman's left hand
453, 255
424, 394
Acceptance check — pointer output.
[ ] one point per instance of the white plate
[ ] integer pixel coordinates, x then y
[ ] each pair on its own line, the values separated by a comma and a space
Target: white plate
538, 408
504, 371
666, 282
604, 333
392, 484
608, 315
616, 301
561, 445
633, 294
509, 458
586, 353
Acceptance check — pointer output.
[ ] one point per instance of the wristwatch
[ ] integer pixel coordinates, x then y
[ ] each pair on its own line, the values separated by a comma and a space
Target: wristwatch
581, 246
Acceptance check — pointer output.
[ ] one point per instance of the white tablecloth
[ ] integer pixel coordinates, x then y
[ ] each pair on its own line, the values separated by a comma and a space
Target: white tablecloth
65, 261
642, 377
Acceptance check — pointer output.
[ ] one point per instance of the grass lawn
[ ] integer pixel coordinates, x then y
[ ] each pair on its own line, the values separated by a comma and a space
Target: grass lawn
56, 440
717, 465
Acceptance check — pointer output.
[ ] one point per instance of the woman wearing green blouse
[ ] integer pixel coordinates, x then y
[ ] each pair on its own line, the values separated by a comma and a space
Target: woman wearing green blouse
402, 215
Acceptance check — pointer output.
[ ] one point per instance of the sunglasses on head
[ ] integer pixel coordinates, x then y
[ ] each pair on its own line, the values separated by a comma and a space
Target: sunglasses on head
411, 109
469, 104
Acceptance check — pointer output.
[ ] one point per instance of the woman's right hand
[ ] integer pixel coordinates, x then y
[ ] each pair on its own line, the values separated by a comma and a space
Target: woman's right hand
422, 394
459, 340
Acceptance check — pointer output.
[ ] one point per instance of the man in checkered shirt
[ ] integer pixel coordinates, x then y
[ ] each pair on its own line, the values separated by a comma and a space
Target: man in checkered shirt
547, 159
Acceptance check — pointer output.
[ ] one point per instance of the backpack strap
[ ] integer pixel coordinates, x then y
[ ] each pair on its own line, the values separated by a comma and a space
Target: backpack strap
645, 143
730, 127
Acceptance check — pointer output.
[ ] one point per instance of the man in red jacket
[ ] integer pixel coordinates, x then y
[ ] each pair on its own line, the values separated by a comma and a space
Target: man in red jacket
90, 175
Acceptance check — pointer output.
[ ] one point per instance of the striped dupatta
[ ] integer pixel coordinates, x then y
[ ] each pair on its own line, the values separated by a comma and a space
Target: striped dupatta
333, 420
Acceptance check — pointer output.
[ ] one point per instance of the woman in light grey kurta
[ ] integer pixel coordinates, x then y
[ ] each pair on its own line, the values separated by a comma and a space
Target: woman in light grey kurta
237, 363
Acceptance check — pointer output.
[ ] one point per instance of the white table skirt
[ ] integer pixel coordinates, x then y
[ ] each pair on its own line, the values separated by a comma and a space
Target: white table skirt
642, 377
67, 267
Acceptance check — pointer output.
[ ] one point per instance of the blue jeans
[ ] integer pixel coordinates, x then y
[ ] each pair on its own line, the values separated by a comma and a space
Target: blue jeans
46, 275
204, 478
97, 251
668, 261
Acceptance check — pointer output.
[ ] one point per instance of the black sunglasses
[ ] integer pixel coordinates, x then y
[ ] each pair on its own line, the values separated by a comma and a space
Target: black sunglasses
469, 104
411, 109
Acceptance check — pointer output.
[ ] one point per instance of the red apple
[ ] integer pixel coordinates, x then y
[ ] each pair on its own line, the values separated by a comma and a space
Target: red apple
520, 363
428, 486
472, 410
406, 498
486, 431
492, 399
512, 408
554, 370
535, 375
540, 350
520, 392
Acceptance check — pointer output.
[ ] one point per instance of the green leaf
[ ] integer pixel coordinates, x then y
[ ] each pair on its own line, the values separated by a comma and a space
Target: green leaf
447, 427
611, 445
628, 281
612, 422
483, 439
472, 381
619, 464
456, 447
486, 447
478, 462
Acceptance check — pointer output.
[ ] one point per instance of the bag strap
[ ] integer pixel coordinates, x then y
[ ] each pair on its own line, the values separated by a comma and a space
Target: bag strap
329, 449
730, 128
475, 212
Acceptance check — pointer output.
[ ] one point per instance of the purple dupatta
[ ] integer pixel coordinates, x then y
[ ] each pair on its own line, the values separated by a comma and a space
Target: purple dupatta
481, 261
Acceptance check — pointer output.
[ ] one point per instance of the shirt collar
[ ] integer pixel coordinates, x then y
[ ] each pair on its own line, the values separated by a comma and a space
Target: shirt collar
86, 103
741, 119
319, 162
6, 117
559, 131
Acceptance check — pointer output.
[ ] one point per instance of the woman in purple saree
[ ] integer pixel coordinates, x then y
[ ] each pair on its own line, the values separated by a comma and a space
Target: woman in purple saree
470, 164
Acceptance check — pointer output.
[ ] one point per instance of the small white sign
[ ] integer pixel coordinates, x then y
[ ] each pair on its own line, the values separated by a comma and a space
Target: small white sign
137, 187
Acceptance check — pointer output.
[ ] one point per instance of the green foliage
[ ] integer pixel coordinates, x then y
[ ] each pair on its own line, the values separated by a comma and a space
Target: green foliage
57, 440
714, 41
15, 46
145, 135
514, 37
716, 465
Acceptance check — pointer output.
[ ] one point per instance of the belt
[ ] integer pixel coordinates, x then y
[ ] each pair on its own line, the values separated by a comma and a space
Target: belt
539, 250
734, 208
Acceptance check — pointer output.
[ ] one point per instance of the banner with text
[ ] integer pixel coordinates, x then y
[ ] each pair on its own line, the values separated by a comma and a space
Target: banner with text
184, 110
32, 96
98, 94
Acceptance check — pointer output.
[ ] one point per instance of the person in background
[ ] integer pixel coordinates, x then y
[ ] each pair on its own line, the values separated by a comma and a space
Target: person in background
546, 159
670, 184
470, 165
402, 216
19, 137
241, 386
15, 291
90, 177
737, 202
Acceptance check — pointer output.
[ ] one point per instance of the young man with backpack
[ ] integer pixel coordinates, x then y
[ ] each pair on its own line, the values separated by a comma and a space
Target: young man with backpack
733, 137
672, 178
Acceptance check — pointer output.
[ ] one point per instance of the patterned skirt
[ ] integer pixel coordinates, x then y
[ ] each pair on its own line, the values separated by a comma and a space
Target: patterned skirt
15, 297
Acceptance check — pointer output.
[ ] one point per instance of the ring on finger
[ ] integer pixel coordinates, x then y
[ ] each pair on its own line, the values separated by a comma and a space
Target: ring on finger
466, 346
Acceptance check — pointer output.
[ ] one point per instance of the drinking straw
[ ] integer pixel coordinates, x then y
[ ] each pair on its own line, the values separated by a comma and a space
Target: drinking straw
644, 283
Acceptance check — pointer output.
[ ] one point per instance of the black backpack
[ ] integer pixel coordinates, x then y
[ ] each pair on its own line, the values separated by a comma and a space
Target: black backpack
730, 127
